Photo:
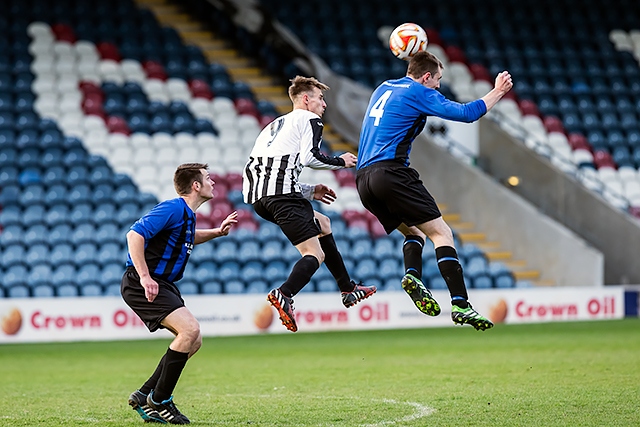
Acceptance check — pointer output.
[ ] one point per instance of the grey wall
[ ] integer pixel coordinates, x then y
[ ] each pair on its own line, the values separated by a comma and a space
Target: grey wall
613, 232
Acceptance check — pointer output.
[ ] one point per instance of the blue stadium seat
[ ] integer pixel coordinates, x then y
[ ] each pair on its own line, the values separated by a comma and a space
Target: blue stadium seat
40, 274
56, 194
257, 287
12, 254
85, 252
33, 215
43, 291
31, 195
11, 234
128, 214
67, 290
80, 194
90, 290
35, 234
437, 282
188, 287
228, 270
112, 274
81, 214
359, 249
10, 196
276, 272
248, 251
202, 253
391, 267
365, 269
55, 175
62, 254
212, 287
19, 291
226, 251
112, 290
9, 174
233, 287
83, 233
384, 248
37, 254
77, 175
327, 285
271, 251
109, 232
111, 253
104, 213
205, 272
251, 271
29, 176
15, 275
482, 281
88, 273
11, 215
57, 215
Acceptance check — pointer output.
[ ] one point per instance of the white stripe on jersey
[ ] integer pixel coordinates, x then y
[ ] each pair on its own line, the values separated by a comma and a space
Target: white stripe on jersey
281, 151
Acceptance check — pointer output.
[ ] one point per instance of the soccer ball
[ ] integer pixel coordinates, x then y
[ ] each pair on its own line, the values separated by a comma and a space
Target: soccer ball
407, 40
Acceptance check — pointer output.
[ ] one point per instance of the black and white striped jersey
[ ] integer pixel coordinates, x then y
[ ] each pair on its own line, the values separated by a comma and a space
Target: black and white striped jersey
282, 149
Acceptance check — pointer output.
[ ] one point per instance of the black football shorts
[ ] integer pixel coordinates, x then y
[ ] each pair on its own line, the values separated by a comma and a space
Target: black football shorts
395, 194
292, 213
153, 313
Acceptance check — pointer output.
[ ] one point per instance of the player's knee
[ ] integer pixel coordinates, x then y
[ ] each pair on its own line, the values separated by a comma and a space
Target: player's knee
196, 345
192, 333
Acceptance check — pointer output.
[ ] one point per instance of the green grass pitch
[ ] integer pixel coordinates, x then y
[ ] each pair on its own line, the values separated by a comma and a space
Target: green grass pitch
561, 374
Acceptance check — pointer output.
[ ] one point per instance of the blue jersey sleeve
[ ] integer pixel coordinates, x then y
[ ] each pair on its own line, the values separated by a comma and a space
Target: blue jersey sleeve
161, 217
433, 103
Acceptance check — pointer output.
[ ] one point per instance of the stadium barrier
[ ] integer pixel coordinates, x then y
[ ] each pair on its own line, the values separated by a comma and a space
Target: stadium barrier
109, 318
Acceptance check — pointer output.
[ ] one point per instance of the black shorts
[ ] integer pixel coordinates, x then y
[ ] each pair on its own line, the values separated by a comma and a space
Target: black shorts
395, 194
292, 213
153, 313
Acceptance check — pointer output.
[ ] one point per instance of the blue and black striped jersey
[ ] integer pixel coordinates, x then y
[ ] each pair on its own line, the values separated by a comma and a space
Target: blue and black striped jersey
397, 113
169, 233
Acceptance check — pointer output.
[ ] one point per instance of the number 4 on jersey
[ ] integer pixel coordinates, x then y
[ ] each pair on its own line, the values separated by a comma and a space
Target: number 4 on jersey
377, 110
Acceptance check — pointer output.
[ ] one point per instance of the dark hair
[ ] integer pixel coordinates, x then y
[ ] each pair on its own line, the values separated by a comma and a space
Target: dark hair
422, 63
187, 174
301, 84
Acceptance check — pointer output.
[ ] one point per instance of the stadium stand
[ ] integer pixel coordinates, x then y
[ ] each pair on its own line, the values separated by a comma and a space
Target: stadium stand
98, 105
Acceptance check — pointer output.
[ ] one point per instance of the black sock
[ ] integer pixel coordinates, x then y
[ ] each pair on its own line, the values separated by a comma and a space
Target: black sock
153, 380
174, 362
335, 264
300, 275
451, 271
412, 249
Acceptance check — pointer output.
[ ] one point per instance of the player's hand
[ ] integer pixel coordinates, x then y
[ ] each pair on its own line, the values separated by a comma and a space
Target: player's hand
228, 222
325, 194
503, 82
349, 160
150, 288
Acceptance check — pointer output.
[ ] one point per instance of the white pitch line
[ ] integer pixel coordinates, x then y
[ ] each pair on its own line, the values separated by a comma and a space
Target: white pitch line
421, 412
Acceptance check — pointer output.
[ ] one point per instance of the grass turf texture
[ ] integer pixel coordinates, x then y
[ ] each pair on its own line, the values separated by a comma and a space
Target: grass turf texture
580, 374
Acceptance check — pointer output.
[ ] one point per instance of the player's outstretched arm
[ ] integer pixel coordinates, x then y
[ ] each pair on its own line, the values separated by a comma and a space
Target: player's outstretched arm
503, 84
204, 235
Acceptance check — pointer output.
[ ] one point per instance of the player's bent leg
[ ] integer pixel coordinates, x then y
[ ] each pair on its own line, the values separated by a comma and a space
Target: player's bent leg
186, 329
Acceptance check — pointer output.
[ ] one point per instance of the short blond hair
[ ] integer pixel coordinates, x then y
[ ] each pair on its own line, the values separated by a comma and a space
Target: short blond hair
301, 85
